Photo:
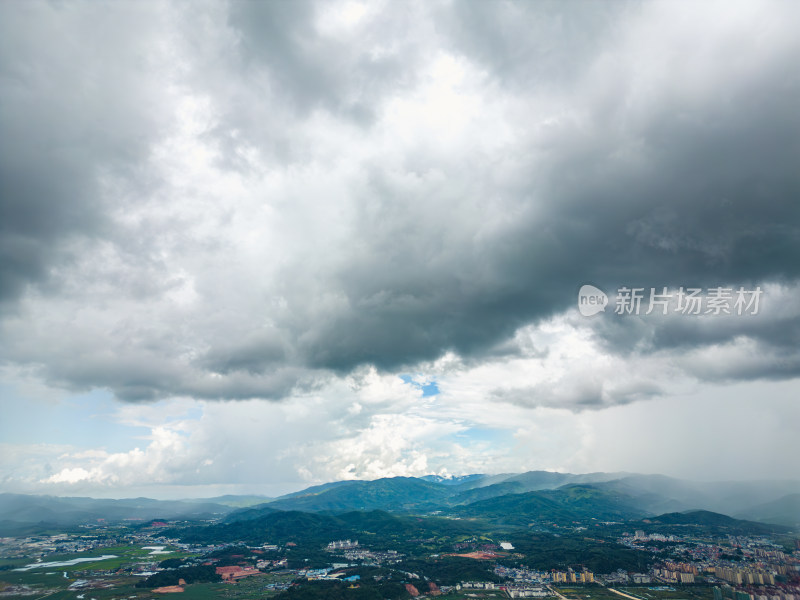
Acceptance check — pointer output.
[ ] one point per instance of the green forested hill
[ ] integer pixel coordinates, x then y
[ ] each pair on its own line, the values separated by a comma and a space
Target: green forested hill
546, 552
714, 522
396, 493
281, 527
574, 503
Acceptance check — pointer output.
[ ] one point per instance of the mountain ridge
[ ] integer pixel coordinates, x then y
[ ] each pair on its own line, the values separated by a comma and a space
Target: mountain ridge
532, 496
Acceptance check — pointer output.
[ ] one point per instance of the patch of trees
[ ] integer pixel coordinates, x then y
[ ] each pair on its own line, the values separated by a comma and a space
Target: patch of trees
544, 552
171, 563
451, 570
339, 590
204, 573
376, 528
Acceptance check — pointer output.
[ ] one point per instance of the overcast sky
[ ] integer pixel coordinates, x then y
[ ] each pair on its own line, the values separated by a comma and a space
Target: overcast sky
248, 247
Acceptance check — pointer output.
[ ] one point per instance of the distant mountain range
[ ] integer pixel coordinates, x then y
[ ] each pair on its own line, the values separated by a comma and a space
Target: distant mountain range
397, 494
517, 499
783, 511
18, 511
609, 495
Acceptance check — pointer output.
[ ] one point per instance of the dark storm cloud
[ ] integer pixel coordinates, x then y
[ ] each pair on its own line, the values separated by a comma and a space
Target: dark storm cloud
648, 147
725, 216
669, 189
546, 44
304, 70
73, 108
147, 373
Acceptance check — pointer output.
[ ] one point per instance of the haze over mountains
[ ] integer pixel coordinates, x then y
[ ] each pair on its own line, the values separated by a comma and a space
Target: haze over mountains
518, 499
767, 501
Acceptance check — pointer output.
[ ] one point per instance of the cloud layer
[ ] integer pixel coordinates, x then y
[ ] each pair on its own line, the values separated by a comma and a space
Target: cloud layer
265, 201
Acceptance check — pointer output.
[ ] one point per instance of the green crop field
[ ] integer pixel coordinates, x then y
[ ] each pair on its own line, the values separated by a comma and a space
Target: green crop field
587, 592
598, 592
50, 582
472, 594
678, 592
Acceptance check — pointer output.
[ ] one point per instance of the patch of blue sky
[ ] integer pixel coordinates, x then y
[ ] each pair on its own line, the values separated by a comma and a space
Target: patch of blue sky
496, 437
81, 420
428, 387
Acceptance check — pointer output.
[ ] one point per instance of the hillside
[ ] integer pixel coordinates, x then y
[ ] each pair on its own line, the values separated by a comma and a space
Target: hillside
483, 493
315, 528
783, 511
715, 522
396, 494
573, 503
